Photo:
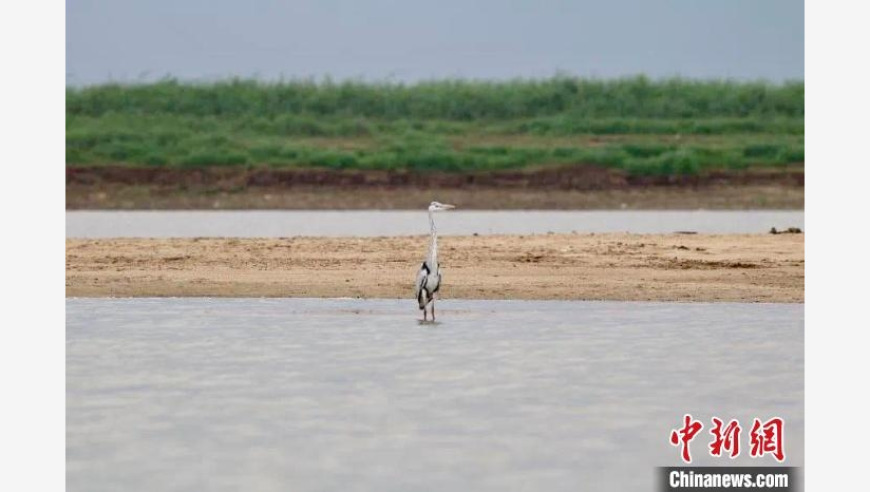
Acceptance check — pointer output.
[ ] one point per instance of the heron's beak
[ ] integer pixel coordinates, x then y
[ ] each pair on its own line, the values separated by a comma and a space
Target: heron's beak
448, 207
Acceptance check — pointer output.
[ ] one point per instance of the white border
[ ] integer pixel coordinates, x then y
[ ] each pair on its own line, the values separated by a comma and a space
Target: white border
837, 243
32, 344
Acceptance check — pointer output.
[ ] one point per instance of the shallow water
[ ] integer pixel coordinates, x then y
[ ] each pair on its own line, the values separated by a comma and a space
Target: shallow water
343, 394
367, 223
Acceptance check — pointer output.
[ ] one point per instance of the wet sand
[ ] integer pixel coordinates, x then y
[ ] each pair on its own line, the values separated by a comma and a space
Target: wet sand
649, 267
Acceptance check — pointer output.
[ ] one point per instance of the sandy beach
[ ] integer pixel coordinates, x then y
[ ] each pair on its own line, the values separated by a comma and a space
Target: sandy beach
634, 267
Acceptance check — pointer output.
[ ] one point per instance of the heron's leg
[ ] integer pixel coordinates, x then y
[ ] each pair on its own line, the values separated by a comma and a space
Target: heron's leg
433, 308
424, 313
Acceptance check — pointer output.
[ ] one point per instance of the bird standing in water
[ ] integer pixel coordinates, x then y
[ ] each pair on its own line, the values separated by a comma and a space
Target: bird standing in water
429, 276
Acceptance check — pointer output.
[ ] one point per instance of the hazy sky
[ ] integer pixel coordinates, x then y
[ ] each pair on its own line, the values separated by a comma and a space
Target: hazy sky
408, 40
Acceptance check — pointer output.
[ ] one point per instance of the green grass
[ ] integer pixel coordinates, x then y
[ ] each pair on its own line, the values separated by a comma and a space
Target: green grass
642, 126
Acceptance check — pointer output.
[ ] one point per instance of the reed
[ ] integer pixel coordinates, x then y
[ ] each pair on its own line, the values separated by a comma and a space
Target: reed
670, 126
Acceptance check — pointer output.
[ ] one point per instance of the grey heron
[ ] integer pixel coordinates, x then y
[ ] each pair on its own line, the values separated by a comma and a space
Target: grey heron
429, 275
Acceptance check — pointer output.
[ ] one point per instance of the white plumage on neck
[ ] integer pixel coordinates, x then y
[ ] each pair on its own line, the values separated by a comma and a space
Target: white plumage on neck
432, 259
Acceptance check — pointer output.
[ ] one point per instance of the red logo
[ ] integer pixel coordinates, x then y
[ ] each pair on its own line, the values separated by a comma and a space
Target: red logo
685, 435
769, 440
764, 438
727, 439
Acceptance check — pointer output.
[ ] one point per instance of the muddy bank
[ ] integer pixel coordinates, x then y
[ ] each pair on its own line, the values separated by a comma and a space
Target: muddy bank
675, 267
573, 187
574, 177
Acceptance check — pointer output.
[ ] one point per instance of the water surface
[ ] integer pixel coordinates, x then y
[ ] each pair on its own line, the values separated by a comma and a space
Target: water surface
342, 394
368, 223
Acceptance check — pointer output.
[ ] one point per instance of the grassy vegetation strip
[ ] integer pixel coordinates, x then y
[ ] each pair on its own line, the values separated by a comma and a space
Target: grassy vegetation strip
455, 100
93, 143
658, 127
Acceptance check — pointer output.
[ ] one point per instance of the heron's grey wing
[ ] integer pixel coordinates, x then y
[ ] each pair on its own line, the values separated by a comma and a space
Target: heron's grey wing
422, 274
433, 283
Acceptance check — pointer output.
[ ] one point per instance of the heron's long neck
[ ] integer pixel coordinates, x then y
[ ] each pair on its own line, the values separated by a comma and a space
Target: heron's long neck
433, 245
